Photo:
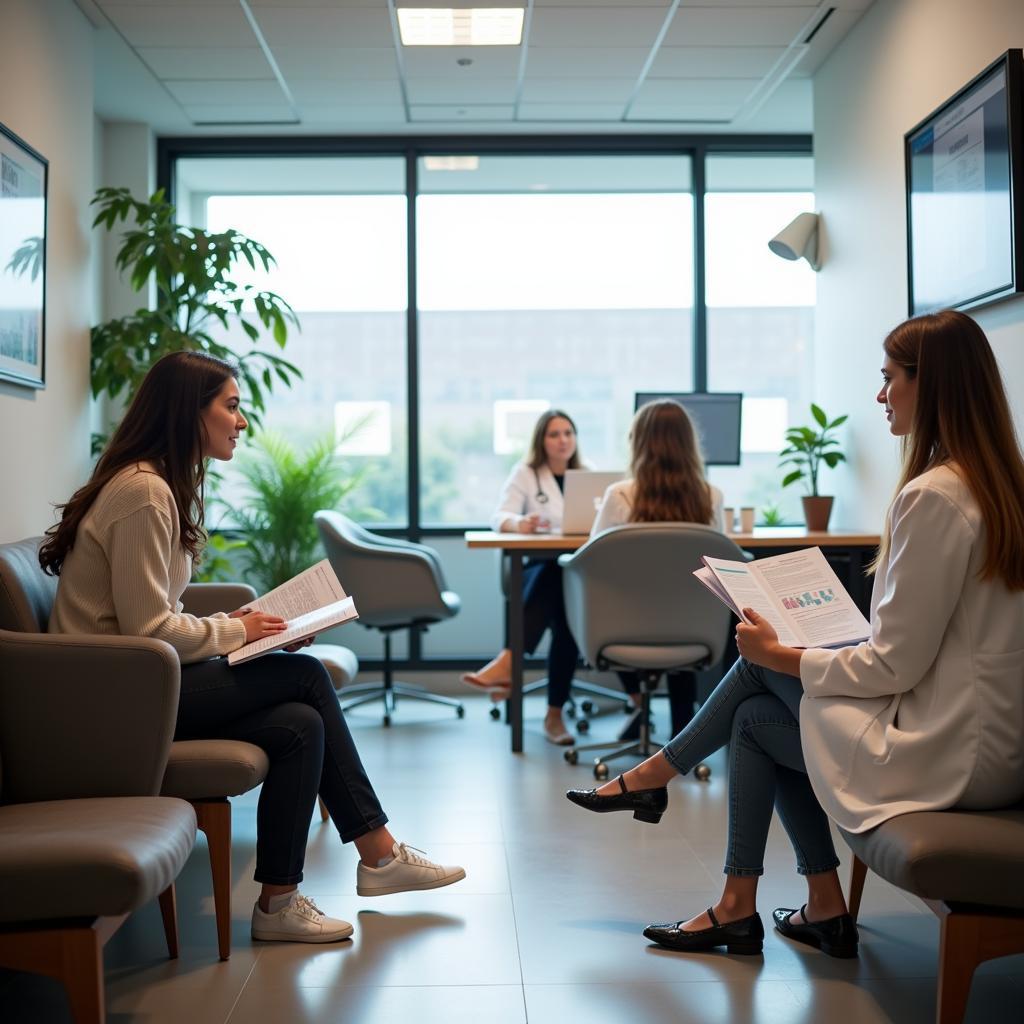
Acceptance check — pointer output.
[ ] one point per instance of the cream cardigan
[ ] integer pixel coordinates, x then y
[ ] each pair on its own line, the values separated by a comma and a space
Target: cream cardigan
929, 712
127, 572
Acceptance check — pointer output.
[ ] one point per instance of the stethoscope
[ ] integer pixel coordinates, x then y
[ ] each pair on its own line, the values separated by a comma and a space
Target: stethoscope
540, 497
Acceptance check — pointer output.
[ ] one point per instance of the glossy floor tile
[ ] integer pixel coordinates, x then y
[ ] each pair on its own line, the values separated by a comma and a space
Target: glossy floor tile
545, 929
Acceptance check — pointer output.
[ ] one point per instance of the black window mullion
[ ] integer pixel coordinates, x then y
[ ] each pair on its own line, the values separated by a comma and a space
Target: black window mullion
700, 318
412, 398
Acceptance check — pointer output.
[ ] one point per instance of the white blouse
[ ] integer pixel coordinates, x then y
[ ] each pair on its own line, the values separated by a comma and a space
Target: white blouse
929, 712
617, 507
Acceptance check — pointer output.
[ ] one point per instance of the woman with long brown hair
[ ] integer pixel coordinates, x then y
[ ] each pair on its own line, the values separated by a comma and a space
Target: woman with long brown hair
926, 714
124, 550
667, 486
531, 502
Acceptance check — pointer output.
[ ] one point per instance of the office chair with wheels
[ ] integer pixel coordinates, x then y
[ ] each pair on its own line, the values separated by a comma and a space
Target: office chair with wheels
396, 585
633, 603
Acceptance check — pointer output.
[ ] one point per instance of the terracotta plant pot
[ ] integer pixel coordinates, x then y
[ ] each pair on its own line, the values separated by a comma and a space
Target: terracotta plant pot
817, 510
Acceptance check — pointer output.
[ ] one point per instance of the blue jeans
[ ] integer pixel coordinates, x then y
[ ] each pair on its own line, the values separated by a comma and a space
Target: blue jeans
284, 703
758, 712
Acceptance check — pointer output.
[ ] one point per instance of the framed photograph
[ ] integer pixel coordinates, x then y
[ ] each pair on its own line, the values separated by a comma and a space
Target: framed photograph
23, 174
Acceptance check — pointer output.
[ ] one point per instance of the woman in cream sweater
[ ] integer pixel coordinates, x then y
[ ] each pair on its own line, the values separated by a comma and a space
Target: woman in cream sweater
667, 486
124, 550
926, 714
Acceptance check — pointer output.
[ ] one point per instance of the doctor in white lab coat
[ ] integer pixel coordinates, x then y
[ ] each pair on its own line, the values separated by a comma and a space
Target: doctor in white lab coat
531, 502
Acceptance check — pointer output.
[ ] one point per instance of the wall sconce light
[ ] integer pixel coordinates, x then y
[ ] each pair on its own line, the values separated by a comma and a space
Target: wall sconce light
799, 238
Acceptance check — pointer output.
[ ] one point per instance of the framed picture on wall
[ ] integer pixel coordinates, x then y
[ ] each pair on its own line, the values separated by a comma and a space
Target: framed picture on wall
23, 174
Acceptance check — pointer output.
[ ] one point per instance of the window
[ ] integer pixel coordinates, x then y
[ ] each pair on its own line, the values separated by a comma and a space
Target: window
562, 281
760, 316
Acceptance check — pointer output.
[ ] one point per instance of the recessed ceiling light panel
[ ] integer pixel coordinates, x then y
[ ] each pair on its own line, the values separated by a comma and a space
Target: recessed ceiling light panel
471, 26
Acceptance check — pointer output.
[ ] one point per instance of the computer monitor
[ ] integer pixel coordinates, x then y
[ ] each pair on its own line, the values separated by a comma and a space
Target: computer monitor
717, 418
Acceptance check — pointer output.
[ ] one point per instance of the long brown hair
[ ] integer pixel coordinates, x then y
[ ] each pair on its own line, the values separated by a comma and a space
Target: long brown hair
537, 457
962, 416
667, 467
162, 426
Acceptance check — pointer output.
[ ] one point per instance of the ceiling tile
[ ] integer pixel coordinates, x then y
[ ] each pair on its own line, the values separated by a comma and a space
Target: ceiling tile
234, 113
578, 90
356, 91
438, 90
361, 114
332, 64
586, 62
662, 4
466, 113
206, 62
187, 26
725, 91
252, 93
441, 61
714, 61
691, 113
603, 112
325, 26
595, 26
736, 26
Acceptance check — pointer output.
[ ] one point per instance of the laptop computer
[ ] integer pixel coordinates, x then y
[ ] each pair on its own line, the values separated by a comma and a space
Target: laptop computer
584, 489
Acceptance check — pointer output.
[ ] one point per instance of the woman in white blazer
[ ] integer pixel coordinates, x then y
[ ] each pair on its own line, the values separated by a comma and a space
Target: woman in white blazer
666, 485
928, 713
532, 502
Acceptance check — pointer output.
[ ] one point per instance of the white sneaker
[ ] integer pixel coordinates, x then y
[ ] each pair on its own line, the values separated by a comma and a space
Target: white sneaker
301, 921
406, 873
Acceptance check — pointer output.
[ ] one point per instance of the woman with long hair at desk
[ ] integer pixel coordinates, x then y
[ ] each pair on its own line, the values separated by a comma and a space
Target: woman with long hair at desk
926, 714
531, 502
667, 486
124, 550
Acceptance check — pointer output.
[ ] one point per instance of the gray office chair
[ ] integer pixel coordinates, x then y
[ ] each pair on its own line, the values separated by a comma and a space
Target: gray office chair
633, 603
396, 585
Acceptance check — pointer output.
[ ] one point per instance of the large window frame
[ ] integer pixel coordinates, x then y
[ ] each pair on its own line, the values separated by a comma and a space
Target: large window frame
697, 147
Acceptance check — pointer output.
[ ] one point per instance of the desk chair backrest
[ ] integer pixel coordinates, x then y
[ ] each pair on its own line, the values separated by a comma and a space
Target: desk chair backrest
394, 582
631, 590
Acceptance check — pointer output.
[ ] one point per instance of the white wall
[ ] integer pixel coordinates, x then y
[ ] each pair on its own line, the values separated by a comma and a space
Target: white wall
46, 97
901, 60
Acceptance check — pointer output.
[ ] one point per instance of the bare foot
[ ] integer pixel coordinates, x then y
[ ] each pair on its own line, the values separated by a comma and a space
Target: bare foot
495, 675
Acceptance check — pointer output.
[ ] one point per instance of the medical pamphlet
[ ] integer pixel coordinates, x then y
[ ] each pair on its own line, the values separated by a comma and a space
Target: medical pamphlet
311, 602
797, 593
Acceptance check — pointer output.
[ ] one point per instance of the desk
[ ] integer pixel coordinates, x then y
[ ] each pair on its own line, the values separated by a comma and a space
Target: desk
855, 547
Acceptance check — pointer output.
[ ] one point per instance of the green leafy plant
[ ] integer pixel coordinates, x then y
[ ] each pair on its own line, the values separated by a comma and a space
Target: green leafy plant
195, 295
771, 514
282, 488
215, 563
808, 448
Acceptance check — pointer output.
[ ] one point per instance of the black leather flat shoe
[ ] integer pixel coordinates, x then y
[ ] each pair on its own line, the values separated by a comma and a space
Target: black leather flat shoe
836, 936
646, 804
745, 936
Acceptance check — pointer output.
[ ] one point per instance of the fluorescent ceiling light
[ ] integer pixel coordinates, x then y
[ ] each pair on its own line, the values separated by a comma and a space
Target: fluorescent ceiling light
475, 26
451, 163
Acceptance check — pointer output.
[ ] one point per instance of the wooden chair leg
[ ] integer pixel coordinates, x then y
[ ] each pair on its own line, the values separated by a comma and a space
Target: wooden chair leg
323, 810
74, 956
169, 912
213, 817
858, 872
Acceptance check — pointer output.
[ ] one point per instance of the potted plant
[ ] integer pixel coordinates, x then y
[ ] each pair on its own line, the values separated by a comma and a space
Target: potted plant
807, 449
195, 295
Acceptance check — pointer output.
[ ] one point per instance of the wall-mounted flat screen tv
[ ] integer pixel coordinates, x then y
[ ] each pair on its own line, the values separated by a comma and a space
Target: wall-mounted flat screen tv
717, 416
965, 194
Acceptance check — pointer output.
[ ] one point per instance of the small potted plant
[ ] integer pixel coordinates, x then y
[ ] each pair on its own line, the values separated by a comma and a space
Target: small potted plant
806, 450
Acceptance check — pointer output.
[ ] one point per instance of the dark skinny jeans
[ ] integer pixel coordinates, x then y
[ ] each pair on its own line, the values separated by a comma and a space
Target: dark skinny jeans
757, 711
286, 704
544, 608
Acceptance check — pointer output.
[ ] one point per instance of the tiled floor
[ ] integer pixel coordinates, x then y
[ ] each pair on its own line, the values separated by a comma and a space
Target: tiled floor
545, 928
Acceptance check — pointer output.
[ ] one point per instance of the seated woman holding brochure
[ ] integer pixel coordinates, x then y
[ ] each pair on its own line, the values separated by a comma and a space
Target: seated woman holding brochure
124, 550
667, 486
924, 715
531, 502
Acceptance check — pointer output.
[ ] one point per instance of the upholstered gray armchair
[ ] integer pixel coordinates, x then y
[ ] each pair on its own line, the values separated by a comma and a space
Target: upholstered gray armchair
85, 732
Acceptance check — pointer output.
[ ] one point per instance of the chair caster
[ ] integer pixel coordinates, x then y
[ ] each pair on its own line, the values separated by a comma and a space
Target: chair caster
702, 772
583, 726
460, 711
569, 710
571, 757
495, 713
387, 721
600, 771
587, 707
